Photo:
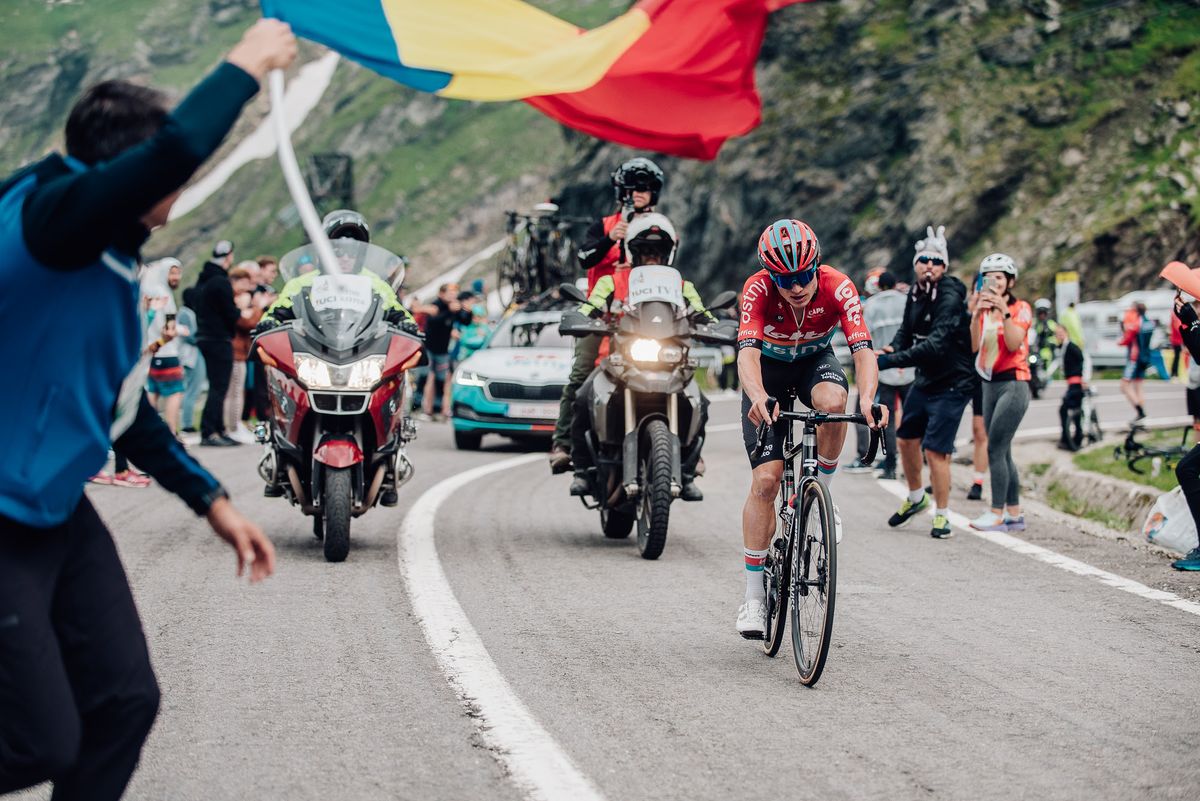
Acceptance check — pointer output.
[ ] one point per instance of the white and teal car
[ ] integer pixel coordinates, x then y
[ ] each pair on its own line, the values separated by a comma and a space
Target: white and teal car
511, 386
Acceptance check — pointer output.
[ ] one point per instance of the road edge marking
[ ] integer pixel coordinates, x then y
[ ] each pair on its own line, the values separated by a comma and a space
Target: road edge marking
527, 753
1018, 545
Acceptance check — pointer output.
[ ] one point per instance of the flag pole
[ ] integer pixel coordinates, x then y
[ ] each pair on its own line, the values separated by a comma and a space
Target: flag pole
293, 177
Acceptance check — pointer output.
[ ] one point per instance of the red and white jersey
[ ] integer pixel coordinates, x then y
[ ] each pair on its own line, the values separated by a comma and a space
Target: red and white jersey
770, 324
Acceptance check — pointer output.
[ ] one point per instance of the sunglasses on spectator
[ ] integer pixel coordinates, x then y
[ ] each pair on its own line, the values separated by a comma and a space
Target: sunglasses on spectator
930, 260
793, 279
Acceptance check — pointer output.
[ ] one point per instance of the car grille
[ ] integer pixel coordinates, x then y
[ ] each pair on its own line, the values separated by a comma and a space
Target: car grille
510, 391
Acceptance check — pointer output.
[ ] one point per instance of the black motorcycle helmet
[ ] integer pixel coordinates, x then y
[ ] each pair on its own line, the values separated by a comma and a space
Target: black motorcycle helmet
346, 224
638, 173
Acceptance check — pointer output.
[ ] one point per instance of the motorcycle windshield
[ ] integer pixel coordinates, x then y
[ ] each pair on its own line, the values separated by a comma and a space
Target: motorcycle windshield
341, 307
657, 308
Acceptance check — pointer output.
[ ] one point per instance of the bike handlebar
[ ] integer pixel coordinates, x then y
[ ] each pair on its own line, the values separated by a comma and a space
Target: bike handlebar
817, 418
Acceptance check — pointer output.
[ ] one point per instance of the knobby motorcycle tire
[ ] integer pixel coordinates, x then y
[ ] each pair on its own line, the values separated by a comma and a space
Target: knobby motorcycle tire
336, 499
655, 509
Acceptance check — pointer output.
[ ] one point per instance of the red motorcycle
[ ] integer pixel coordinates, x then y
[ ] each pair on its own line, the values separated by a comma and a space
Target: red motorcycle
339, 388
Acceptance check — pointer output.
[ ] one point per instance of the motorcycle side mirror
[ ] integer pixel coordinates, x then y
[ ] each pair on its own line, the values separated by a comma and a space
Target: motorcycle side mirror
573, 292
725, 300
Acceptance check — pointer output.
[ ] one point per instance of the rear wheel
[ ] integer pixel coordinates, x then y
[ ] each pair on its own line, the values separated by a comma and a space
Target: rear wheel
335, 504
813, 582
654, 511
615, 524
776, 574
467, 440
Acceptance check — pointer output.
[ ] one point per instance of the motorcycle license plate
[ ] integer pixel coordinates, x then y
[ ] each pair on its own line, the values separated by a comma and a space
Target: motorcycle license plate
535, 411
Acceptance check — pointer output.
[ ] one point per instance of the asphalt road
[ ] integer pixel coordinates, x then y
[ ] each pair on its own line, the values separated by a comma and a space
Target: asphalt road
961, 669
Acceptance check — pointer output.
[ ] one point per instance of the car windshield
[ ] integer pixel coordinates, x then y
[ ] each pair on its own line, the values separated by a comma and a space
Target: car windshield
538, 330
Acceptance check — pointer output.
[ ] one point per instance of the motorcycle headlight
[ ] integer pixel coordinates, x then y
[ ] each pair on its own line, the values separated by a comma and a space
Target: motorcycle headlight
671, 354
469, 378
644, 350
317, 373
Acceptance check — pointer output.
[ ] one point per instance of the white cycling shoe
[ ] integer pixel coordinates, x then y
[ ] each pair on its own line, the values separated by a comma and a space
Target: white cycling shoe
752, 620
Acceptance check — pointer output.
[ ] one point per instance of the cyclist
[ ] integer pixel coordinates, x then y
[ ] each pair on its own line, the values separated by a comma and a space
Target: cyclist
789, 310
340, 224
651, 239
636, 185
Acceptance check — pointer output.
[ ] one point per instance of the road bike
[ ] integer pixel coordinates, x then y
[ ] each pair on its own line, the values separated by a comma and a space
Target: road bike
539, 252
1135, 454
800, 570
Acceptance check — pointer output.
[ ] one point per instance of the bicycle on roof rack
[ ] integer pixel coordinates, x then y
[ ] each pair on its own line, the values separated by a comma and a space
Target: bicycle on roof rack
800, 570
539, 252
1137, 455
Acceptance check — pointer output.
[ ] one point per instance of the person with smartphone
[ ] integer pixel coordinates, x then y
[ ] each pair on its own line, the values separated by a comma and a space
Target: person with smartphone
1000, 324
934, 336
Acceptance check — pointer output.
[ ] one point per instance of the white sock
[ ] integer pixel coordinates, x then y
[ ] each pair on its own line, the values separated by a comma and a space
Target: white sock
945, 511
826, 470
755, 591
916, 495
979, 477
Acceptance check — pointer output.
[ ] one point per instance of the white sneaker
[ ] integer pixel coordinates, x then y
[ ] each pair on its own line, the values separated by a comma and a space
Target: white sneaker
752, 620
243, 436
837, 524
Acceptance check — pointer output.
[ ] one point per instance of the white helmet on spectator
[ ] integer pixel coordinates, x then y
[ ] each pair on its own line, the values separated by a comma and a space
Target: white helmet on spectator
999, 263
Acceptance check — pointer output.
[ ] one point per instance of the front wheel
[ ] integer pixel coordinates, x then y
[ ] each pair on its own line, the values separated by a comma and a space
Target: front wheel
813, 582
654, 511
335, 504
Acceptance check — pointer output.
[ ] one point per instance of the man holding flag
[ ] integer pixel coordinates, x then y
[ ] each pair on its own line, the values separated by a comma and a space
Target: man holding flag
77, 693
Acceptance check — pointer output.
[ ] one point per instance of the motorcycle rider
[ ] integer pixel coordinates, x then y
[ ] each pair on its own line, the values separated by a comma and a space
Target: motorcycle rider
650, 240
340, 224
636, 184
789, 311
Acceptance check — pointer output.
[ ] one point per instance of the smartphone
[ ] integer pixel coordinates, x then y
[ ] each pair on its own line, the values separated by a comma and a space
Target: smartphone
997, 283
978, 282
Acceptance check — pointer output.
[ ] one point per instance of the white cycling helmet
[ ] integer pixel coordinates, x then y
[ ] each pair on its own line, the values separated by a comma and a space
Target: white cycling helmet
651, 232
999, 263
1042, 304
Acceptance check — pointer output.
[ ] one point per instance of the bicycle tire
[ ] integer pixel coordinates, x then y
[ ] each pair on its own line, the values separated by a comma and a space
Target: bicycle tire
814, 560
776, 574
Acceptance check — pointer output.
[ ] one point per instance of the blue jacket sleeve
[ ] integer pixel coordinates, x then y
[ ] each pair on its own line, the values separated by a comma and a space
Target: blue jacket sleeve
90, 205
150, 445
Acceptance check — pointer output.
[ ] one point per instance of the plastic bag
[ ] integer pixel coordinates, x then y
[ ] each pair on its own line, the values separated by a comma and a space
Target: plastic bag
1169, 524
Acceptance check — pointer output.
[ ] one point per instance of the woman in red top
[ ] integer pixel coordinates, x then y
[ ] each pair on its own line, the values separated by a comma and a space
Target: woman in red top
1000, 338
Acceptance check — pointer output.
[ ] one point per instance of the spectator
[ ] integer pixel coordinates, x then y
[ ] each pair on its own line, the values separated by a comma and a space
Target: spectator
1070, 411
256, 377
884, 314
216, 318
1188, 469
268, 271
250, 307
165, 379
472, 336
442, 314
935, 338
194, 375
1000, 324
78, 694
1136, 339
1176, 340
1070, 320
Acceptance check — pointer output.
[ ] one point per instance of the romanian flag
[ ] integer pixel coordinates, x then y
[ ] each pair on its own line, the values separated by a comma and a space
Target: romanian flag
672, 76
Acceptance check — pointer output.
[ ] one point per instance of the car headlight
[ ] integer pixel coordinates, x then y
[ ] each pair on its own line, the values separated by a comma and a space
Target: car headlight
317, 373
468, 378
644, 350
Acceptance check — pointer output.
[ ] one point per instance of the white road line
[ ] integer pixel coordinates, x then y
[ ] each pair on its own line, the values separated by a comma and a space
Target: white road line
527, 752
723, 427
1005, 540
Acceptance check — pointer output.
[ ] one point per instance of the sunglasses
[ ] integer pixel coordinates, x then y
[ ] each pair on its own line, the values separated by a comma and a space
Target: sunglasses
930, 260
793, 279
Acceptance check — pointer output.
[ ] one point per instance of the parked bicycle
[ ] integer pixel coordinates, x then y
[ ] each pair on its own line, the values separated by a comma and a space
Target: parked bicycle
540, 252
1137, 455
801, 565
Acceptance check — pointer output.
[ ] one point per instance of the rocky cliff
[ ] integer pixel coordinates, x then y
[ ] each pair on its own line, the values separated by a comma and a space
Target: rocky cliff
1064, 133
